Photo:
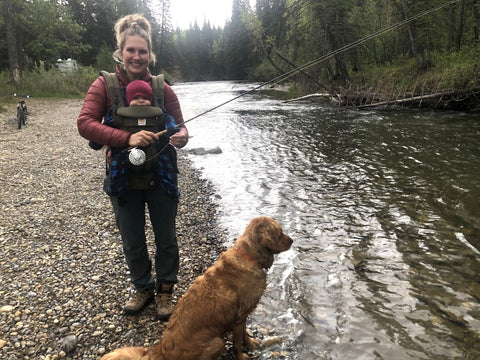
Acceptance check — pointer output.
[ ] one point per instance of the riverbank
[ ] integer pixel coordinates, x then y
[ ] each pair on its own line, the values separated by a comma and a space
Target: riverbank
446, 82
63, 277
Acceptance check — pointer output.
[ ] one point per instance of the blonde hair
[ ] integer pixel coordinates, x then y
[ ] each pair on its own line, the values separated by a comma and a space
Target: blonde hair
131, 25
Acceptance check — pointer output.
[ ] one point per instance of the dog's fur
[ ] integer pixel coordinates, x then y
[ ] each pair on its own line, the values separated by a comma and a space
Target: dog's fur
219, 301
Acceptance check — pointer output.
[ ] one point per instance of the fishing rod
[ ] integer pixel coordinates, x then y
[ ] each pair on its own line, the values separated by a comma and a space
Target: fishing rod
141, 158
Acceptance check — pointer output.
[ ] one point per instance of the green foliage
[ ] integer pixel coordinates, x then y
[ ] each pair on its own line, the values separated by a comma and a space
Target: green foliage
104, 59
49, 32
51, 83
437, 50
263, 72
199, 54
238, 43
449, 72
460, 70
6, 90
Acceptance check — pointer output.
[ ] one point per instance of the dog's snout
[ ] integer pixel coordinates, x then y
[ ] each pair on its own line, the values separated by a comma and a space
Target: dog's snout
288, 239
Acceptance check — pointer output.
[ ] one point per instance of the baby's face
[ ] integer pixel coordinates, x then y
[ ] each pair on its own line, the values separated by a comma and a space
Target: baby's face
140, 101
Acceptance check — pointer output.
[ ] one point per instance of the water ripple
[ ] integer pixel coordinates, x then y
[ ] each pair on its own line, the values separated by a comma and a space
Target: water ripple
384, 209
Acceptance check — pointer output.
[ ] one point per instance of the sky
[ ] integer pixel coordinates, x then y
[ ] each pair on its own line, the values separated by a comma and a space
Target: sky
186, 12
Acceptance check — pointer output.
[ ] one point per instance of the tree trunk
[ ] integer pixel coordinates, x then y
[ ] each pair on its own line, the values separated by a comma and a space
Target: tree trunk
413, 48
476, 18
269, 58
461, 18
13, 61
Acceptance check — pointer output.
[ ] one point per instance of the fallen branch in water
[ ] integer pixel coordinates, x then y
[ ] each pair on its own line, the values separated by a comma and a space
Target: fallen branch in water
309, 97
451, 96
404, 100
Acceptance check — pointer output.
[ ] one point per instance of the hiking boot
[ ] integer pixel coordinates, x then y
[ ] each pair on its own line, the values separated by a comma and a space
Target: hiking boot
163, 301
138, 301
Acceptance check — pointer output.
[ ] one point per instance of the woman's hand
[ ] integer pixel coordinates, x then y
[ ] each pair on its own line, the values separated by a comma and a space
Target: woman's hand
142, 138
180, 138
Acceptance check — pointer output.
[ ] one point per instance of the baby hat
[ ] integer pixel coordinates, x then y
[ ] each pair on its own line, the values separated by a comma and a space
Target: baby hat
139, 88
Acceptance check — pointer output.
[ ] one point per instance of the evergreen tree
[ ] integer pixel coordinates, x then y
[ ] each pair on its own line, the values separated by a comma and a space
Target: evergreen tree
238, 43
97, 18
12, 44
162, 34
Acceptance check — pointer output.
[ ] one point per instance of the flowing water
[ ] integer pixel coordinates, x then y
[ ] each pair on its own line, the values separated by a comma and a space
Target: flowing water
384, 210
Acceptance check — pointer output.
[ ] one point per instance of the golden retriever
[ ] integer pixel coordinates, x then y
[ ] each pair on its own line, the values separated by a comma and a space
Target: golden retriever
219, 301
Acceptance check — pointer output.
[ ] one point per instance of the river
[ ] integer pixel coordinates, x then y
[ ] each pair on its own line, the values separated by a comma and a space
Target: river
384, 210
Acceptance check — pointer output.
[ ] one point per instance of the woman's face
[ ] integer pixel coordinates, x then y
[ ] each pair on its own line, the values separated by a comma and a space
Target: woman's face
135, 56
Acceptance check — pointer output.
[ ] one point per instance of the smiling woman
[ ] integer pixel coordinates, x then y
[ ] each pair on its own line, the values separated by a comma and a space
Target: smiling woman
188, 12
134, 52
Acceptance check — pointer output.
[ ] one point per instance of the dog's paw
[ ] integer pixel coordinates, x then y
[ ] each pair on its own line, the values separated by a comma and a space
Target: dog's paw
242, 356
251, 343
128, 353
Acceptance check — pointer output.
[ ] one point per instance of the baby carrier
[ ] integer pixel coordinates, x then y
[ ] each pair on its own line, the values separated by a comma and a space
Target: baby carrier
160, 167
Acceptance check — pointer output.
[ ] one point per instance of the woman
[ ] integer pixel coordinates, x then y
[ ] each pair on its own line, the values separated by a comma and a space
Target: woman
134, 53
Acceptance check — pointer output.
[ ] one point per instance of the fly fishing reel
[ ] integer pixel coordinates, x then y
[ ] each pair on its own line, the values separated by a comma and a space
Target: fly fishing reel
137, 156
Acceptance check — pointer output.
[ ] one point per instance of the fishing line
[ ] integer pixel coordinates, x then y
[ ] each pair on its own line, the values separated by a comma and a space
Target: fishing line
318, 60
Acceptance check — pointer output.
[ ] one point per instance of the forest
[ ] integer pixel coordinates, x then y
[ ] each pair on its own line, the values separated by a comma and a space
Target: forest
435, 53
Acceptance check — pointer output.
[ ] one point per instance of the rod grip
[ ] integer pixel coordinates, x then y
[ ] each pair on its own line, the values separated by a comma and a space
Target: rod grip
168, 132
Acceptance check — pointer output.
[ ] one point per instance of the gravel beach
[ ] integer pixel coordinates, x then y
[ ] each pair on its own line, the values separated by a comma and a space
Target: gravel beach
63, 277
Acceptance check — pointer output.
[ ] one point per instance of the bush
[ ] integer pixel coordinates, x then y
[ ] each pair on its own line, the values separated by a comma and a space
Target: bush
460, 69
104, 59
448, 72
263, 72
52, 83
6, 88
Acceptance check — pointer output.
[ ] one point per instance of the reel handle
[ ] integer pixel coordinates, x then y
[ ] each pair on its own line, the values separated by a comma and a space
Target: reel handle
138, 157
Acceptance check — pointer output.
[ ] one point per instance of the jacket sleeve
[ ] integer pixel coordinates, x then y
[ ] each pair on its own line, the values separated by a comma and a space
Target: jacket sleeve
89, 121
172, 105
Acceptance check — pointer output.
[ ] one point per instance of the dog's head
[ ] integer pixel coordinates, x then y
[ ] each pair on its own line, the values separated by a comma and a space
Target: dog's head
264, 237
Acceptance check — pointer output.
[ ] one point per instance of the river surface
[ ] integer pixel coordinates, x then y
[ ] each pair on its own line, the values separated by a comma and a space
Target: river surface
384, 210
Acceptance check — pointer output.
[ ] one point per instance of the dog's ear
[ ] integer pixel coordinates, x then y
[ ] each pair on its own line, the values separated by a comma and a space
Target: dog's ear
261, 235
269, 231
262, 229
271, 235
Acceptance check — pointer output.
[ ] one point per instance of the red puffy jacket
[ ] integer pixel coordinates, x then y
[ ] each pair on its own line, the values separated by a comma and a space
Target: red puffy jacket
97, 103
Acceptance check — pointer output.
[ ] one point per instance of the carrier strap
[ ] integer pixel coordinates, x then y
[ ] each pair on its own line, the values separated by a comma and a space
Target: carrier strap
114, 89
158, 89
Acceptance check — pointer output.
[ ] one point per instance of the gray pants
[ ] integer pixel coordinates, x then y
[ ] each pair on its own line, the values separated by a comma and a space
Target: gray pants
129, 211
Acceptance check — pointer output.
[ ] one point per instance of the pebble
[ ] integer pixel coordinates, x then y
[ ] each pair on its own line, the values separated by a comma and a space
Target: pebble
69, 343
270, 341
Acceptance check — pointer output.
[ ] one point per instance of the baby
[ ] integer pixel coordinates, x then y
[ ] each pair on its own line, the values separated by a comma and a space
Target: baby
139, 93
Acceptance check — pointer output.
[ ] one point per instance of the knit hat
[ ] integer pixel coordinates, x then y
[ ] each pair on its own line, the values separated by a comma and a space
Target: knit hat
139, 88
